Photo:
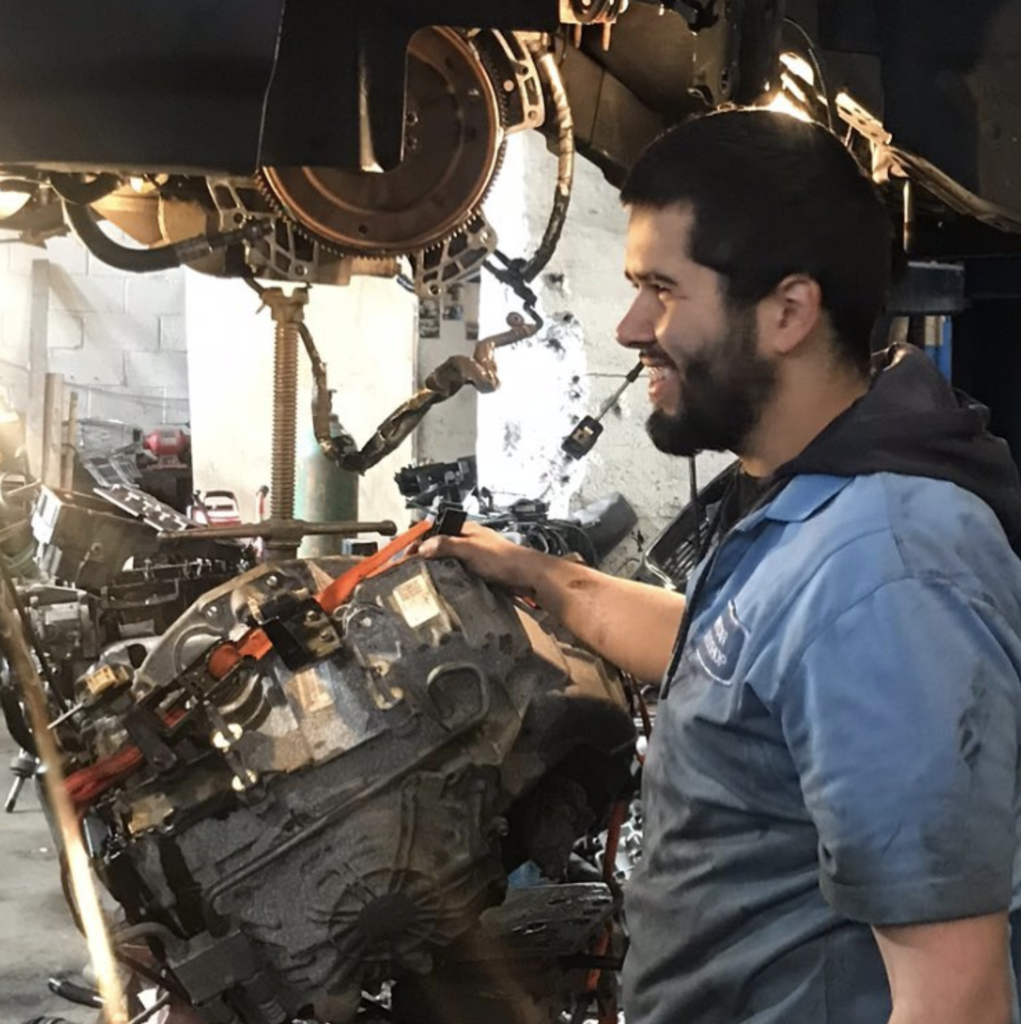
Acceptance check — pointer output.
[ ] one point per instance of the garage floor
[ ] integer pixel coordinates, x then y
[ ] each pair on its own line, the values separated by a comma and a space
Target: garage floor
37, 936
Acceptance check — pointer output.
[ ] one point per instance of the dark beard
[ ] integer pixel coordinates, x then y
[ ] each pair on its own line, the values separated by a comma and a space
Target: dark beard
722, 394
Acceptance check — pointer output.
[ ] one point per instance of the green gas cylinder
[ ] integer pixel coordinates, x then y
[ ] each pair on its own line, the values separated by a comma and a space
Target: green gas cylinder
323, 492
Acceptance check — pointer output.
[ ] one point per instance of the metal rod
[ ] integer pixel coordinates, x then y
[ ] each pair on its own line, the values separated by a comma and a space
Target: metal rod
285, 419
15, 649
288, 316
281, 528
908, 226
163, 1000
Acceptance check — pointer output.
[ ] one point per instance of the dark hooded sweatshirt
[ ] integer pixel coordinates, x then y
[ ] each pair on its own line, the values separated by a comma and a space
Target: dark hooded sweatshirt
837, 745
913, 423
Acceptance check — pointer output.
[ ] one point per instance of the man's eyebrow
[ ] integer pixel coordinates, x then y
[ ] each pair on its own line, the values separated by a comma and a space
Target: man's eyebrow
649, 277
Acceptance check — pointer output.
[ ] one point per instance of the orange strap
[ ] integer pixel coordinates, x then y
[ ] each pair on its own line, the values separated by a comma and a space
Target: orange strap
341, 588
256, 645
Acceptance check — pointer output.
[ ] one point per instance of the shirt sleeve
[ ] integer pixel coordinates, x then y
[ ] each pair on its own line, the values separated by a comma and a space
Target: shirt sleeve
902, 718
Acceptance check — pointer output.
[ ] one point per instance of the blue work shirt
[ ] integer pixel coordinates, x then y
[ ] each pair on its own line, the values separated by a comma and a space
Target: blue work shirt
838, 748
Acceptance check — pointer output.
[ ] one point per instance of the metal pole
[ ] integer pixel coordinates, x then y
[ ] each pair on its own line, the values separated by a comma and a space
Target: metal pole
288, 313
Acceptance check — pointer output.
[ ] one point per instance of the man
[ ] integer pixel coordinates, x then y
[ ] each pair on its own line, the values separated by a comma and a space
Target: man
831, 792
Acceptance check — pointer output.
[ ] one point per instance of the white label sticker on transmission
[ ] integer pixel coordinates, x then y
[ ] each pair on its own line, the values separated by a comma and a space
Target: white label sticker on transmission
417, 601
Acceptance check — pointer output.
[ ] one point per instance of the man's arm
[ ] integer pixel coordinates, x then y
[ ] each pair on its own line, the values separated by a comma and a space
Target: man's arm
630, 624
950, 972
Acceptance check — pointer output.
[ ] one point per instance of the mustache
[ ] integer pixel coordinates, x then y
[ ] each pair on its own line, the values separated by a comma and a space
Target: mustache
655, 355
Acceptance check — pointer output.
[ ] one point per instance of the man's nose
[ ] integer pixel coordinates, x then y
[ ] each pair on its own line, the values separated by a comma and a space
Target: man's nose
637, 329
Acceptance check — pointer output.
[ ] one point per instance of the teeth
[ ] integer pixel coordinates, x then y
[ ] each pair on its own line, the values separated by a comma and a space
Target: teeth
659, 372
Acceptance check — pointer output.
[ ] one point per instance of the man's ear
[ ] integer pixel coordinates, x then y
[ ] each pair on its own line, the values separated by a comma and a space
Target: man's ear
790, 313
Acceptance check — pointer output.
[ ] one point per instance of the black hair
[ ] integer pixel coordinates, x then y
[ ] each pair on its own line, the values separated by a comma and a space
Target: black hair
772, 195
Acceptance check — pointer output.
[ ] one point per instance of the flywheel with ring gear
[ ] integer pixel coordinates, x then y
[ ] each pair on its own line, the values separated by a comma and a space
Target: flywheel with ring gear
453, 146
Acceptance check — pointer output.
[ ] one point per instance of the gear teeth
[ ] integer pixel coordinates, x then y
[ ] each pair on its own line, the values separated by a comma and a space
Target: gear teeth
464, 216
266, 190
331, 246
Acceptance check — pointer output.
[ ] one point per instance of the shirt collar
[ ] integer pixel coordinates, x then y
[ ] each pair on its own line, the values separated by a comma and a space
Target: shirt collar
803, 497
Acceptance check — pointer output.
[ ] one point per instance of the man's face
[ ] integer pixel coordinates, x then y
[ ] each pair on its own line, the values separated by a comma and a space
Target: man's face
708, 381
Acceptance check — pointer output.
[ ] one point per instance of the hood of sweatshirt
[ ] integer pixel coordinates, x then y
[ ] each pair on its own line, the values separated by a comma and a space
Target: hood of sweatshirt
912, 422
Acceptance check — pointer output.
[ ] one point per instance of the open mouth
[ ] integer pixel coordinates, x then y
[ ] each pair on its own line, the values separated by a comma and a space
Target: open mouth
664, 383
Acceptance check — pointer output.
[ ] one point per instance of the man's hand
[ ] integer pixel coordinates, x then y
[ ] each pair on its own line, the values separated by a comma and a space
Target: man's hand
628, 623
949, 972
491, 556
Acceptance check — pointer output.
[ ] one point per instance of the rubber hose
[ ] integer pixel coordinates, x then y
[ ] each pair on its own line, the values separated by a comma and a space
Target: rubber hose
86, 227
547, 67
74, 190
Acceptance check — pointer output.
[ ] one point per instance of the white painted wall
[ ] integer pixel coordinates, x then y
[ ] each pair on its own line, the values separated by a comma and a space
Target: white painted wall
364, 332
117, 338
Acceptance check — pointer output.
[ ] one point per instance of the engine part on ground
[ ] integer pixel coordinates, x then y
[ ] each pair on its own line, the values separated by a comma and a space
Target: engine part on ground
605, 522
111, 453
168, 443
75, 992
88, 539
150, 510
23, 767
590, 532
295, 833
17, 546
582, 439
215, 508
83, 540
425, 486
670, 558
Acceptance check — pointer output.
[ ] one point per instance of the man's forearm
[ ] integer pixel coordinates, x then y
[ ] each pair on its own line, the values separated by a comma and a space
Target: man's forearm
630, 624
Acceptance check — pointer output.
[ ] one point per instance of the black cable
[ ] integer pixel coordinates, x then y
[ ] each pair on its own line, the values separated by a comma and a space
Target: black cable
589, 549
813, 59
693, 499
249, 279
73, 992
165, 257
74, 190
547, 67
159, 978
14, 716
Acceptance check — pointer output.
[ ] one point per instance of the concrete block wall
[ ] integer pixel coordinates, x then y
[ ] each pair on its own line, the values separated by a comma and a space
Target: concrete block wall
118, 338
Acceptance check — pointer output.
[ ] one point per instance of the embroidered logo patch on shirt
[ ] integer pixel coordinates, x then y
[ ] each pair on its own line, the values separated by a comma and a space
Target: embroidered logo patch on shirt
720, 645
